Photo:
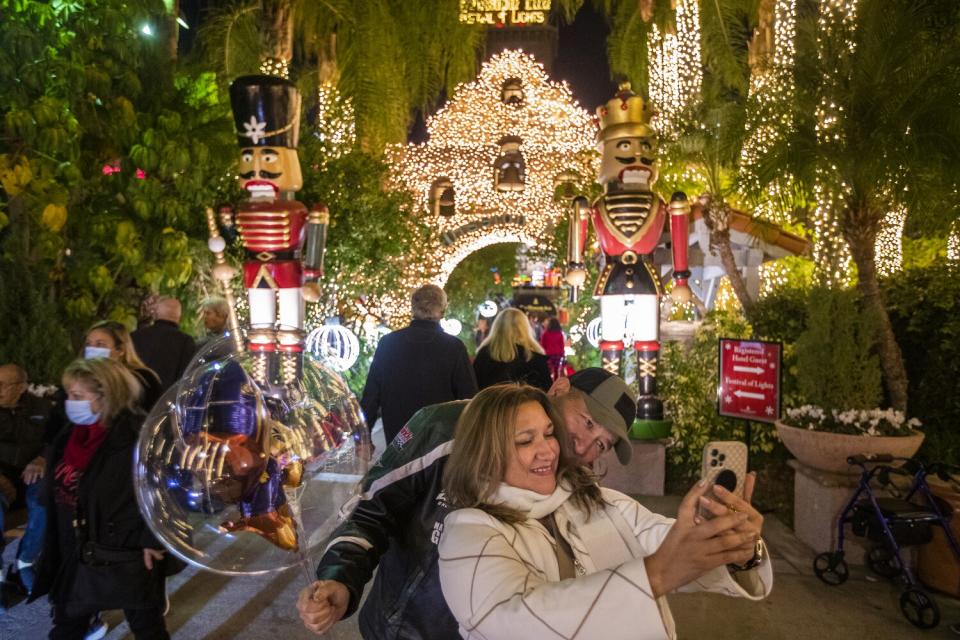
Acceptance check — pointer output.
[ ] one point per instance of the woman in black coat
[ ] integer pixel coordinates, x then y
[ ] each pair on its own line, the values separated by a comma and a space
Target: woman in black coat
99, 553
511, 353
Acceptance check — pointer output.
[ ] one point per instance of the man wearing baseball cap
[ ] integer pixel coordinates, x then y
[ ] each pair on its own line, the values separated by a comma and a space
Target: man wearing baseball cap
399, 518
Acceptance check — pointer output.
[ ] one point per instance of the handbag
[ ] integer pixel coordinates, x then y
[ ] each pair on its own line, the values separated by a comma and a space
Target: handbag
110, 578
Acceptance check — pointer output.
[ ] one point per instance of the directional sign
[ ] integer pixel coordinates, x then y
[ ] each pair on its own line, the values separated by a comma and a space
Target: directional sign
749, 379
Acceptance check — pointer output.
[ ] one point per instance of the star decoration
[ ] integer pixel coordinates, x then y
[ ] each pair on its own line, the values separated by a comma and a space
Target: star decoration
768, 411
728, 399
254, 129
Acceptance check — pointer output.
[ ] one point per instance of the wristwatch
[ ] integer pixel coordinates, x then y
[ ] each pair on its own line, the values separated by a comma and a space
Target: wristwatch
759, 553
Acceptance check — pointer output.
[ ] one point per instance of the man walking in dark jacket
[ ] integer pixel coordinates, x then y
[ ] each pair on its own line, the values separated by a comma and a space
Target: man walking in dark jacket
398, 521
416, 366
162, 346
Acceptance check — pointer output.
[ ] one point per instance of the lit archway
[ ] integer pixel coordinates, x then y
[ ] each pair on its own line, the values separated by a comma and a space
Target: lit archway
495, 156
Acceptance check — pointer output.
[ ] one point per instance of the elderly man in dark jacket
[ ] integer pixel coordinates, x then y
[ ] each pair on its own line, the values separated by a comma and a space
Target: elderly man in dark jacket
23, 419
163, 346
417, 366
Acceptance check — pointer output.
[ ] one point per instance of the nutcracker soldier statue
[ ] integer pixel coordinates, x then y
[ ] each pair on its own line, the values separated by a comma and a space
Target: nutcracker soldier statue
283, 241
629, 220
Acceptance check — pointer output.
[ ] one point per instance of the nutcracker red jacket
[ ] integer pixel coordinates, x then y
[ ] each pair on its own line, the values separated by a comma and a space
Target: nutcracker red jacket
416, 366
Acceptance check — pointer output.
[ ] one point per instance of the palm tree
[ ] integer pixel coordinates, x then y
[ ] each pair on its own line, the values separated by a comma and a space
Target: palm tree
387, 57
710, 135
882, 127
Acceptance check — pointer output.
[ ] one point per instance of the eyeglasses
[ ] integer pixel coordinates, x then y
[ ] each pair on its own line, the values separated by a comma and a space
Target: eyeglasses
11, 384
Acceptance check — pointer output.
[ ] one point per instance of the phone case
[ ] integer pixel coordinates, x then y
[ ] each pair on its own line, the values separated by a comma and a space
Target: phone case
726, 454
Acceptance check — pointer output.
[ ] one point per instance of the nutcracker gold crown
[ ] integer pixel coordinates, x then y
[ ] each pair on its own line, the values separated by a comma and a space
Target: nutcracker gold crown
625, 116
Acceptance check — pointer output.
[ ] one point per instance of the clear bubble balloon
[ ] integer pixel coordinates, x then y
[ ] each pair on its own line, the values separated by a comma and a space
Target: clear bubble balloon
245, 478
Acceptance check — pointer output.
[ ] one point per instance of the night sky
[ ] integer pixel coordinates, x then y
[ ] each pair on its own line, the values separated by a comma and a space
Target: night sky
582, 58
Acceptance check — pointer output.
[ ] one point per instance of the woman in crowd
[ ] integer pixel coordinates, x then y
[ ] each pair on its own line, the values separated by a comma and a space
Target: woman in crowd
99, 553
554, 346
109, 339
511, 354
537, 545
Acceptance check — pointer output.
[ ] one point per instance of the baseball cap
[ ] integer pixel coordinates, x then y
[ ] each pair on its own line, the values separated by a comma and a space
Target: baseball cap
611, 404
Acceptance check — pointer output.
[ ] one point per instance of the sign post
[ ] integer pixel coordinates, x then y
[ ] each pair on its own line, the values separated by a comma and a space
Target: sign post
749, 380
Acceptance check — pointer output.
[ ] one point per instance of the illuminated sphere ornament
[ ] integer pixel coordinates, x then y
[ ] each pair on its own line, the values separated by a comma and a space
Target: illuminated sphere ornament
488, 308
335, 345
452, 326
593, 332
240, 480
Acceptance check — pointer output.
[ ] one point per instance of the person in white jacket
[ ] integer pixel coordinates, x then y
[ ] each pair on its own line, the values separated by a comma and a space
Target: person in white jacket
538, 549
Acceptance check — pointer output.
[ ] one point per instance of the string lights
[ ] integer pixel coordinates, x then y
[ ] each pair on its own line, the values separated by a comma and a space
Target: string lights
953, 242
889, 243
557, 139
771, 89
336, 122
676, 71
275, 67
836, 23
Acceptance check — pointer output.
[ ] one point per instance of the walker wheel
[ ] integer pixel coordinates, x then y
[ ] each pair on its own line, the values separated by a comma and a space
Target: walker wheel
831, 568
919, 608
883, 562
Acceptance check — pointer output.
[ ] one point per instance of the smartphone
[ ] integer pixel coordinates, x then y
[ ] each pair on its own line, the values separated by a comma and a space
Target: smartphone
723, 463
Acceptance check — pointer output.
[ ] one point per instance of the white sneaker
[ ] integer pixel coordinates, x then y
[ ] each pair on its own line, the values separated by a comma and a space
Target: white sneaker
97, 629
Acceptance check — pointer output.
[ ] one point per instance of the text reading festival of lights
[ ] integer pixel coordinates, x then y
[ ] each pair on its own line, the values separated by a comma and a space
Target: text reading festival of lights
501, 12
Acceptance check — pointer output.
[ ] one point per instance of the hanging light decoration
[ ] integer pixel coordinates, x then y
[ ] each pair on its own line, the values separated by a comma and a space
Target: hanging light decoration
335, 345
451, 326
488, 308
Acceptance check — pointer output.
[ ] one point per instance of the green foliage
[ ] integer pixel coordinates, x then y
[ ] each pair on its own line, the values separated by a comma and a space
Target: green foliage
472, 282
688, 386
32, 335
920, 253
781, 316
85, 93
924, 307
837, 367
371, 229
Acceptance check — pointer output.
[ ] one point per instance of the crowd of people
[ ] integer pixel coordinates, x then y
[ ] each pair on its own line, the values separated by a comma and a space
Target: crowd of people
485, 514
66, 458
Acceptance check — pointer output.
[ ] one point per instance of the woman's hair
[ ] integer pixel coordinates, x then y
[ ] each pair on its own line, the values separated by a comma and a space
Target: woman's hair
510, 330
121, 338
113, 381
483, 445
553, 324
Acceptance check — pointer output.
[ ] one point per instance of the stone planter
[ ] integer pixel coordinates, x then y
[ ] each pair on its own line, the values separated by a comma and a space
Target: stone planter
829, 451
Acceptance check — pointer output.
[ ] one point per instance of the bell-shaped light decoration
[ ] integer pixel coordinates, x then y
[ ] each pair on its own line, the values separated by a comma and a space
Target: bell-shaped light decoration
442, 197
509, 170
511, 92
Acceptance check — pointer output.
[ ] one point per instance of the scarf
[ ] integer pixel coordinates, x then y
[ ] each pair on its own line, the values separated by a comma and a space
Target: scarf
81, 446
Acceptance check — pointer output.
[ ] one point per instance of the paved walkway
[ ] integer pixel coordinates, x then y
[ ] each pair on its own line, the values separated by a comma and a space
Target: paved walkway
206, 606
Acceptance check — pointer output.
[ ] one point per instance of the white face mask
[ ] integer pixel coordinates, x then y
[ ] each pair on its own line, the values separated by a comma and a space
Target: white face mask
80, 412
89, 353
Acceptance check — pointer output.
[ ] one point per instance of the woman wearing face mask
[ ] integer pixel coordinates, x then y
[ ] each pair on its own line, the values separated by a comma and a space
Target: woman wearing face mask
536, 545
99, 553
108, 339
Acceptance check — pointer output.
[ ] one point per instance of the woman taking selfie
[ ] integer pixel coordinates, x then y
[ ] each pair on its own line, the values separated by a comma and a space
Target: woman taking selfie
511, 354
537, 545
98, 552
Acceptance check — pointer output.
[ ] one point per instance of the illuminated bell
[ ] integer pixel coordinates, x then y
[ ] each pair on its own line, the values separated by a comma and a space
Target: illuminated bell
446, 198
510, 179
511, 92
442, 198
